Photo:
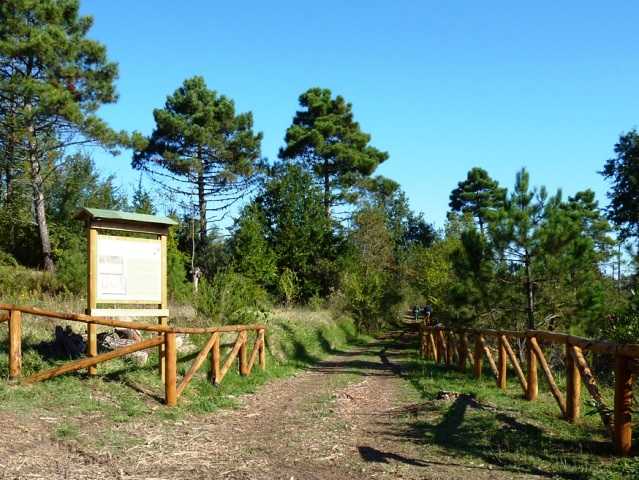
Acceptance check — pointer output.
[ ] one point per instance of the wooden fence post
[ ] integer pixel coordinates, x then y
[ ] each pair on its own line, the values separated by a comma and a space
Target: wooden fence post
501, 366
243, 353
448, 349
573, 386
531, 360
463, 351
262, 350
433, 347
15, 343
479, 355
170, 385
215, 361
441, 344
92, 346
623, 405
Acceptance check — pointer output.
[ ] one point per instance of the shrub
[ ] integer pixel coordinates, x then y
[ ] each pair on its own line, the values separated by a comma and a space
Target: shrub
232, 298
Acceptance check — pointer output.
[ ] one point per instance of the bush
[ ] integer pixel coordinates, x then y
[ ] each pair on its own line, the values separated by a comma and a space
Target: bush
232, 298
288, 286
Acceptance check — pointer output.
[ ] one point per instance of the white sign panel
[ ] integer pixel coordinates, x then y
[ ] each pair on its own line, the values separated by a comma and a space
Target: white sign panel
129, 269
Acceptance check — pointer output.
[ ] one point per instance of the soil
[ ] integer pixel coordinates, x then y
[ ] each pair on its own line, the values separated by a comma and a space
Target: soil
350, 417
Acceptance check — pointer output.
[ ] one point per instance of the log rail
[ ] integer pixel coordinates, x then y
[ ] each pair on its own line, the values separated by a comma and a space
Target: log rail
165, 339
438, 343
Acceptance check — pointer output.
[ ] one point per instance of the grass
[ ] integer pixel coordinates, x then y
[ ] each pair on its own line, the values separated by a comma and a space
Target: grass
123, 390
508, 432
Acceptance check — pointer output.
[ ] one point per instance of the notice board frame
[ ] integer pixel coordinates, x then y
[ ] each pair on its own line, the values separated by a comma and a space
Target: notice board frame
122, 224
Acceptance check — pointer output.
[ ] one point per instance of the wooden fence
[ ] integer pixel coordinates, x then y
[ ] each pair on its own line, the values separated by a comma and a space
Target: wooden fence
165, 341
453, 348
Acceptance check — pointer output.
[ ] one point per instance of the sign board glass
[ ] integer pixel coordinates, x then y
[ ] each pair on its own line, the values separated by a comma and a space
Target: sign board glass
128, 270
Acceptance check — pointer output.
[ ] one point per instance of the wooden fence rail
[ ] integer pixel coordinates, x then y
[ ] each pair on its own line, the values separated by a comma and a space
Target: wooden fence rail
441, 344
166, 340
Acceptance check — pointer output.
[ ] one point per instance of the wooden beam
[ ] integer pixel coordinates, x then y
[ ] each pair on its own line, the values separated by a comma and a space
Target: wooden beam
623, 406
554, 389
443, 351
15, 343
215, 362
124, 226
254, 353
129, 312
92, 289
262, 349
230, 358
92, 346
87, 362
532, 383
605, 413
501, 365
491, 361
463, 351
170, 389
573, 386
109, 322
197, 363
242, 354
433, 347
479, 354
515, 363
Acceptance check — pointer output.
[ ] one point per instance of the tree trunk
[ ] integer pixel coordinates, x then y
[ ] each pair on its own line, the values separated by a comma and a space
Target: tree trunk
529, 293
201, 197
39, 209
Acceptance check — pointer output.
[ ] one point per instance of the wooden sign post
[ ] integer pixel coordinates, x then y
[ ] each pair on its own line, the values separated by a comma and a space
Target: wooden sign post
126, 269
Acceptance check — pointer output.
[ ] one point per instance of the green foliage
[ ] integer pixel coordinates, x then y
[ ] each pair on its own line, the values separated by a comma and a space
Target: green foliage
368, 283
176, 261
142, 200
478, 195
251, 253
325, 138
55, 80
288, 286
299, 232
623, 172
231, 298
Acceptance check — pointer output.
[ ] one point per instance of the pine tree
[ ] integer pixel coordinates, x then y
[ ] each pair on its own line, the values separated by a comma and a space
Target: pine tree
202, 150
53, 81
327, 141
479, 195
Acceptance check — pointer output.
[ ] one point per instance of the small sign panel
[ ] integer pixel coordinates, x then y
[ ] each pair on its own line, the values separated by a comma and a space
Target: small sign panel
129, 269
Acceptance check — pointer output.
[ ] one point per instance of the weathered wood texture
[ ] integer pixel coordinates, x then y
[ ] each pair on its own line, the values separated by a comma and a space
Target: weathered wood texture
515, 363
532, 389
170, 379
605, 412
554, 389
15, 343
573, 386
197, 363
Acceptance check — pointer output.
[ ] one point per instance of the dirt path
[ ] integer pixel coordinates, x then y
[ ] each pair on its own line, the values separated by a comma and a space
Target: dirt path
349, 417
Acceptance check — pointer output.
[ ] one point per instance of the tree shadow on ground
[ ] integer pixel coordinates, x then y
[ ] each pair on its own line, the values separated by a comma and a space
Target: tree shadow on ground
467, 427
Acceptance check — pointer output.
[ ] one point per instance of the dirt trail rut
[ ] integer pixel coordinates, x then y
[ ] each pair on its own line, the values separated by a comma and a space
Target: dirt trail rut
348, 417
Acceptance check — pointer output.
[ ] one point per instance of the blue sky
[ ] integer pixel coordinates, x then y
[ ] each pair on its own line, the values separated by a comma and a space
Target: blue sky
441, 85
